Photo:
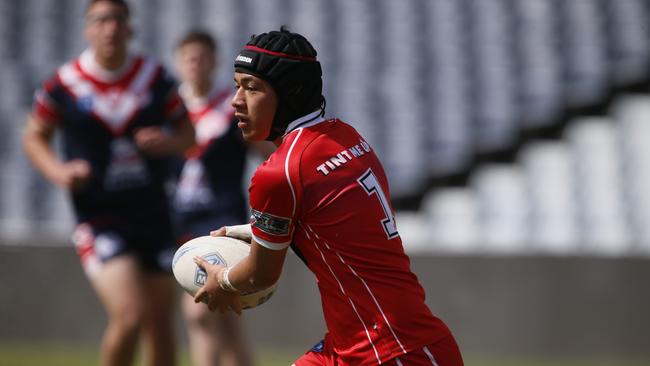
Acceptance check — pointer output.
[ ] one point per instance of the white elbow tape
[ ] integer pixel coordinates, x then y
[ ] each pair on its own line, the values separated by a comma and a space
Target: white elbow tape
242, 232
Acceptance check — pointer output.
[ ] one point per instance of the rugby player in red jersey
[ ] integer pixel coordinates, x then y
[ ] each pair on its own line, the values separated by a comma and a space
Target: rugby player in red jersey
324, 193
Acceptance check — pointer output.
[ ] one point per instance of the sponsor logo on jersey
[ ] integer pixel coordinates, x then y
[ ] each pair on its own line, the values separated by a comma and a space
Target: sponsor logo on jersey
126, 168
343, 157
245, 59
270, 224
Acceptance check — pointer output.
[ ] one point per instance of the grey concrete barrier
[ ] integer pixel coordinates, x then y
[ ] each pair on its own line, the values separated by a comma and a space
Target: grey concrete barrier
515, 306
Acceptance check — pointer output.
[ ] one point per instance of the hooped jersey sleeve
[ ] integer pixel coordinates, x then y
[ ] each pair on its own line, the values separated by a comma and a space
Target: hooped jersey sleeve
45, 106
275, 198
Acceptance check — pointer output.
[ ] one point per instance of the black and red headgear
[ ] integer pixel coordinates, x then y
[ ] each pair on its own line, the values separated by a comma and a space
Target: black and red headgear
288, 62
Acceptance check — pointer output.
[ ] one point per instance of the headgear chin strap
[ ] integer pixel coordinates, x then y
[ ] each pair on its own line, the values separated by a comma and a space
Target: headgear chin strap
288, 62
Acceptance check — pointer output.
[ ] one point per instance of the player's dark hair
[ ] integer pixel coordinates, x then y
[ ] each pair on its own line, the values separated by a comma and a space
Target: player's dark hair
198, 36
121, 3
288, 62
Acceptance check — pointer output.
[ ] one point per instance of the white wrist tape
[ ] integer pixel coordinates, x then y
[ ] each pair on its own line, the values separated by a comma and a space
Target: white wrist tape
225, 282
242, 232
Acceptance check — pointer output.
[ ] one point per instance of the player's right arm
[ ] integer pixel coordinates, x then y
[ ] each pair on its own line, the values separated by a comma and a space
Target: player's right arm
36, 141
262, 268
259, 270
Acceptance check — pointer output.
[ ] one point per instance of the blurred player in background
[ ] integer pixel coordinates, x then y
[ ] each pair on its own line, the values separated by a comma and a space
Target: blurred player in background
325, 194
210, 189
121, 119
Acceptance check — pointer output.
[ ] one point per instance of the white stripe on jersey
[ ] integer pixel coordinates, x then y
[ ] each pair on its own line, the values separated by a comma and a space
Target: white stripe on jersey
115, 109
269, 245
286, 172
372, 295
144, 77
71, 78
428, 353
346, 295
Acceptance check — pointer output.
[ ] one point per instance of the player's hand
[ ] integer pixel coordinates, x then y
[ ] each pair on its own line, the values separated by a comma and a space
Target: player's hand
153, 141
219, 232
217, 298
241, 232
73, 175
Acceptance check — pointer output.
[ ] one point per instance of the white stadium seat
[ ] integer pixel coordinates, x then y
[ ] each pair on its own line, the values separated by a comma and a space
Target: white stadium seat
451, 220
503, 208
550, 182
597, 163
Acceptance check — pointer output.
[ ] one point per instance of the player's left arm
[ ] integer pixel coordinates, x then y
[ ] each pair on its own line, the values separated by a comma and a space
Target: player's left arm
178, 134
156, 141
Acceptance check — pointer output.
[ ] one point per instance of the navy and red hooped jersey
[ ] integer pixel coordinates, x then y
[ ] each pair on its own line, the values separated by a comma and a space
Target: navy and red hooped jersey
98, 112
325, 193
211, 178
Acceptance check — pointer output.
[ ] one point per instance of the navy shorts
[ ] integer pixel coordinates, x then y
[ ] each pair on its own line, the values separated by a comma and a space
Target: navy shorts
150, 241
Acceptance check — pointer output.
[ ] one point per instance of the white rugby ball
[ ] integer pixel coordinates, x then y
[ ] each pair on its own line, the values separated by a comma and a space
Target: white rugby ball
221, 250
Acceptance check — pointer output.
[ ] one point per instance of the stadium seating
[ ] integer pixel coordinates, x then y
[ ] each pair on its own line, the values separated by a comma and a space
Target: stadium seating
451, 220
632, 114
447, 90
598, 184
456, 97
550, 182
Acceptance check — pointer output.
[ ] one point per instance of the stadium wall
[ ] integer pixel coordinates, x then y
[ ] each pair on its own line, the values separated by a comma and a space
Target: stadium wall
497, 306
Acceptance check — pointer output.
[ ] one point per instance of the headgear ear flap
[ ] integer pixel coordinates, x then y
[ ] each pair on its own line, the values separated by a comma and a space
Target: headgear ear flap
288, 62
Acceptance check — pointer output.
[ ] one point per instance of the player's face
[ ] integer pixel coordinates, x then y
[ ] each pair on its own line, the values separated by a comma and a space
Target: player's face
195, 63
107, 29
255, 103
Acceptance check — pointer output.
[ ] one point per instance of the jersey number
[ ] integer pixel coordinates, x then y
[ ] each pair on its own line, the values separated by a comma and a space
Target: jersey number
371, 185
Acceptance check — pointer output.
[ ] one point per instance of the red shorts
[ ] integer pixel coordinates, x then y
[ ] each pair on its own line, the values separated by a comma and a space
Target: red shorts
442, 353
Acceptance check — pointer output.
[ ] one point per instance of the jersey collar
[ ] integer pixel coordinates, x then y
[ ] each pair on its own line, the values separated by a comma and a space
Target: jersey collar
91, 67
194, 101
308, 120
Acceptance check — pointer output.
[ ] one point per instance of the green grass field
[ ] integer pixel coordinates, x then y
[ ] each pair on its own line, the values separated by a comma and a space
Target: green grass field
67, 355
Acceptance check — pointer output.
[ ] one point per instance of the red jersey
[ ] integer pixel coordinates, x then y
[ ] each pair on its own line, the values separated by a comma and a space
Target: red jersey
325, 192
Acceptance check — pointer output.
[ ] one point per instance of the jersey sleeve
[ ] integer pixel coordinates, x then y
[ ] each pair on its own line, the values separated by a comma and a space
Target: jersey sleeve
45, 107
273, 205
